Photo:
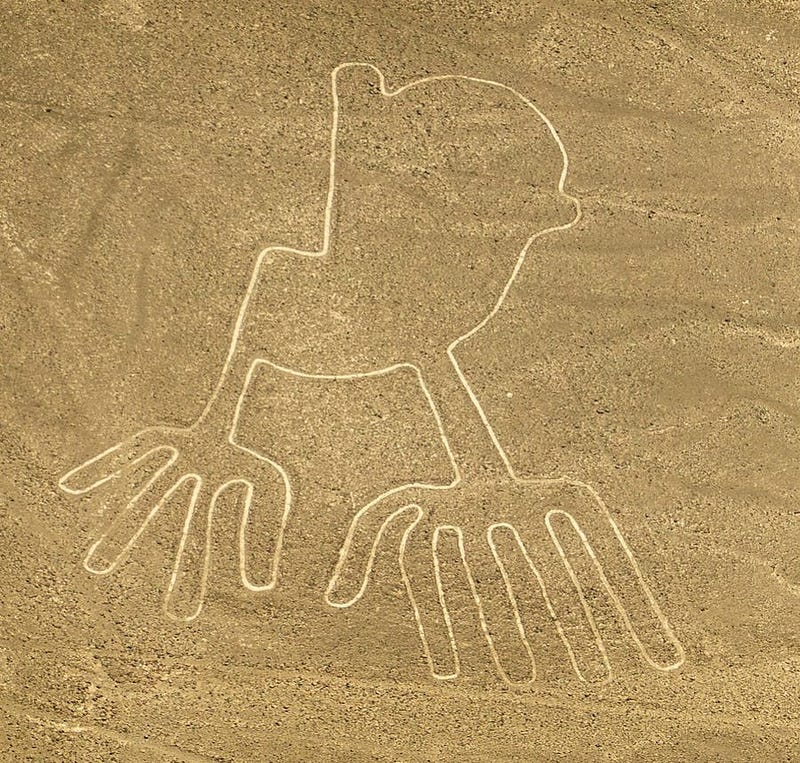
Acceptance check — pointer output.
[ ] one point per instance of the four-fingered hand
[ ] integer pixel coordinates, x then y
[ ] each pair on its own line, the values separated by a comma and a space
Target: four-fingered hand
138, 477
521, 546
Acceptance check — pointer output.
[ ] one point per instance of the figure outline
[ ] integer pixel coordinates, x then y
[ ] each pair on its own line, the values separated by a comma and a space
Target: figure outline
196, 478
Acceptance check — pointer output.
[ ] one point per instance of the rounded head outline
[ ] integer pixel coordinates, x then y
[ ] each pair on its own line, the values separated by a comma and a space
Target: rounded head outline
389, 93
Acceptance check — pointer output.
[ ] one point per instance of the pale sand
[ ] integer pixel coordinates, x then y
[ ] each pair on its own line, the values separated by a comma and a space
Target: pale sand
639, 368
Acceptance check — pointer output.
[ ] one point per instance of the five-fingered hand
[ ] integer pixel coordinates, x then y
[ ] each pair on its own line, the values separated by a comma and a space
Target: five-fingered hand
136, 479
522, 550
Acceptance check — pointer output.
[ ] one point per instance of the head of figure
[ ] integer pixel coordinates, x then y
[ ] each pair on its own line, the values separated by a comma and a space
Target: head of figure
441, 185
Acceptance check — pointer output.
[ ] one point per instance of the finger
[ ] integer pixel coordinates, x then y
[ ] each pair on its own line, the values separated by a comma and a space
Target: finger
132, 511
265, 512
186, 590
421, 571
538, 578
226, 517
525, 589
357, 555
597, 555
110, 463
498, 613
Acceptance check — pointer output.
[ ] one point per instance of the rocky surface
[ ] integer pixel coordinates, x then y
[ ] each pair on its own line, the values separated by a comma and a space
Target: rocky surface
149, 151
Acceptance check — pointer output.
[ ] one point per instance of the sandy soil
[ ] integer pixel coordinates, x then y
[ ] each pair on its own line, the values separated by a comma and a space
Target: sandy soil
649, 351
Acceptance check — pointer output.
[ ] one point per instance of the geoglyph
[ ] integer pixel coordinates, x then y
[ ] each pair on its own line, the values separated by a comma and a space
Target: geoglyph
420, 184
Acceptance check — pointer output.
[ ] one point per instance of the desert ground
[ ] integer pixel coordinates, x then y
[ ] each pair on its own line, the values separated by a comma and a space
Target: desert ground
503, 462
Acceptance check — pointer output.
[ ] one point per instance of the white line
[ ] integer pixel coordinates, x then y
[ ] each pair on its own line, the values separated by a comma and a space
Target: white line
392, 502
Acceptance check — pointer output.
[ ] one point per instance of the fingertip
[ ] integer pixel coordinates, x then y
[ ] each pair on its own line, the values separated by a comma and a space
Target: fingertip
96, 561
595, 672
661, 649
336, 595
180, 610
72, 483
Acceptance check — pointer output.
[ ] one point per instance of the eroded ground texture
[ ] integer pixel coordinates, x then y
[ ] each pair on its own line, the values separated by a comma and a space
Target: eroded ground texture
647, 354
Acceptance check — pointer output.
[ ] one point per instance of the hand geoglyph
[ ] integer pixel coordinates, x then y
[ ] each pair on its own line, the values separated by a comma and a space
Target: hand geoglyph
437, 191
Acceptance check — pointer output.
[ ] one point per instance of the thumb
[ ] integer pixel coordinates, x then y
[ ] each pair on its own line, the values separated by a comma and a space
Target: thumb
351, 575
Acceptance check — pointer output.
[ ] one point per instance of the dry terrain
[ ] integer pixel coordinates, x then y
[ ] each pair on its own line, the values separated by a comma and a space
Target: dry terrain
648, 350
